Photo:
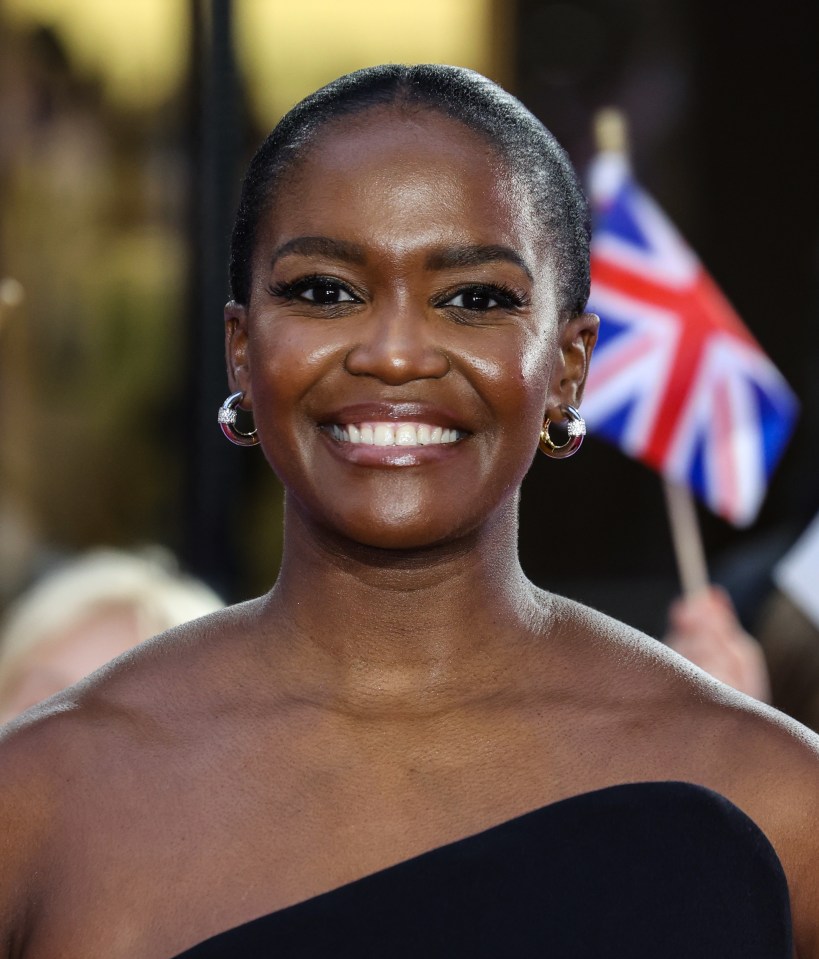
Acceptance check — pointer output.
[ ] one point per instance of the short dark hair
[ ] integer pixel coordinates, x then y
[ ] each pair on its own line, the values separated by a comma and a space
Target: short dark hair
530, 150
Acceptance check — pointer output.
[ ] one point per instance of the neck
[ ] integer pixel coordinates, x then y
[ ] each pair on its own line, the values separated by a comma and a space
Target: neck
402, 625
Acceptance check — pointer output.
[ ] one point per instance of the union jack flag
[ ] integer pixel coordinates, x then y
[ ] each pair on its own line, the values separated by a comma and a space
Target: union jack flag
677, 380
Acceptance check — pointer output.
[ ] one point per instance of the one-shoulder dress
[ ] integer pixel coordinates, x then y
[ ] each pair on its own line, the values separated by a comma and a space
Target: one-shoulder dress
656, 869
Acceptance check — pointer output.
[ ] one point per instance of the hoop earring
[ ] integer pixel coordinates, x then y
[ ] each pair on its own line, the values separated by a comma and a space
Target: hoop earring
576, 430
227, 420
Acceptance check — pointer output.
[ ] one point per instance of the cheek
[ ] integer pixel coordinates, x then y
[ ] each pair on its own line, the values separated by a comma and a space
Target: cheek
517, 380
286, 361
538, 354
542, 356
286, 358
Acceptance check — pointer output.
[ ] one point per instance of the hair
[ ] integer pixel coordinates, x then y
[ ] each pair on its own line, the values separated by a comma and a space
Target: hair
531, 152
104, 579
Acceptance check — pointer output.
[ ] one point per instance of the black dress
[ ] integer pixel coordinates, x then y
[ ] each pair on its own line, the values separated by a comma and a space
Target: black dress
659, 869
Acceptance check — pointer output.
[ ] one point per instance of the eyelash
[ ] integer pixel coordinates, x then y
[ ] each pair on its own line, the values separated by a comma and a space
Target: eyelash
292, 291
506, 297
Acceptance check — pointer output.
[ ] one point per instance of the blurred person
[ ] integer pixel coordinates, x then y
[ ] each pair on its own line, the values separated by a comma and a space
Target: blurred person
405, 748
86, 613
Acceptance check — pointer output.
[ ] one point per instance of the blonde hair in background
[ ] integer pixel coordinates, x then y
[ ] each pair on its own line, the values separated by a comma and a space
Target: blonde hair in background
148, 582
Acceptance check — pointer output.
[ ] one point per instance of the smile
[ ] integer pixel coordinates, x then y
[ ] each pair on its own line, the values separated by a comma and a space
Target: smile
394, 434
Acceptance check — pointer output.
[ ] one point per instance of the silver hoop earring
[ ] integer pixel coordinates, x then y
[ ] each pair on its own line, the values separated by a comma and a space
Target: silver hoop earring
576, 429
227, 420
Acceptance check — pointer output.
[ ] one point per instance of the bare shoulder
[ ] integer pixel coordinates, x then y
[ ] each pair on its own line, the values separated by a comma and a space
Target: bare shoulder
747, 739
697, 729
35, 769
40, 756
771, 771
154, 684
61, 758
173, 670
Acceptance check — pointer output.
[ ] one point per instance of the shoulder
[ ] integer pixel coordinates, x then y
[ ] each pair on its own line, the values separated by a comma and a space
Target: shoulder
748, 737
62, 758
619, 654
60, 763
35, 763
772, 768
176, 669
605, 650
696, 728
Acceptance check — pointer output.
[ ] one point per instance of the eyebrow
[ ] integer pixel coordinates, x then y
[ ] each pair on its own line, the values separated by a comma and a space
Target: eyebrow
320, 246
444, 259
453, 257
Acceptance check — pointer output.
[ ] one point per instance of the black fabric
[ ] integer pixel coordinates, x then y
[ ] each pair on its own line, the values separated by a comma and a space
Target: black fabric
662, 869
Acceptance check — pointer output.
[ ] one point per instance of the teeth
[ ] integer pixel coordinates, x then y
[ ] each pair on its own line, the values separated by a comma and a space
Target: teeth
383, 435
393, 434
406, 435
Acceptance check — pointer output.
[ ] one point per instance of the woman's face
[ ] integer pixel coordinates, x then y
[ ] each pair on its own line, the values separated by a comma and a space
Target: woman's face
401, 344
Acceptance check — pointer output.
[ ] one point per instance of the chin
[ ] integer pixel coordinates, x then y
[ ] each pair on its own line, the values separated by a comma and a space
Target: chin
422, 530
400, 542
389, 521
398, 537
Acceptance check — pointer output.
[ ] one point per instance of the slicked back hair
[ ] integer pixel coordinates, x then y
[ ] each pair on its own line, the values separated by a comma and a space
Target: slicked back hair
534, 158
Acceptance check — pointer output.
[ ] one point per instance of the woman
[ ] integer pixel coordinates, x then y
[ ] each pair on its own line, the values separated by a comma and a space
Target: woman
406, 748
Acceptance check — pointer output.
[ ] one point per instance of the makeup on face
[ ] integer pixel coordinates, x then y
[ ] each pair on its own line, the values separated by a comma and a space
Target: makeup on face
400, 332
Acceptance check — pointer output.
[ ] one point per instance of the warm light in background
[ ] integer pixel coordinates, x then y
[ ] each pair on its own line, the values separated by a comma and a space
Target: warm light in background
139, 50
285, 49
289, 49
104, 161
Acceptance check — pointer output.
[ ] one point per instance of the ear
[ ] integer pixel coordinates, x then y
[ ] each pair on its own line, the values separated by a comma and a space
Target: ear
577, 339
236, 351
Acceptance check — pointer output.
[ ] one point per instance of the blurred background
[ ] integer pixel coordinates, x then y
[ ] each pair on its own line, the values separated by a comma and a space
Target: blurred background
124, 129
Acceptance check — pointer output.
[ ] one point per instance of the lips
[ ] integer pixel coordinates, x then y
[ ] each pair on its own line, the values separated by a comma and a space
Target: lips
390, 433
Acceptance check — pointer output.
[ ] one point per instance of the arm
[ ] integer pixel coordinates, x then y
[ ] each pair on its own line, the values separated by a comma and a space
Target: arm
801, 860
778, 764
24, 802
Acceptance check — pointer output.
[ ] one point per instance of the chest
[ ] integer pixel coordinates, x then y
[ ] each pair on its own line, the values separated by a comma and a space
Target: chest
185, 843
635, 868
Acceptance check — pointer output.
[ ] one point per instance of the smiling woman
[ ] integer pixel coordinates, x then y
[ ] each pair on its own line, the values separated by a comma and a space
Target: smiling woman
405, 748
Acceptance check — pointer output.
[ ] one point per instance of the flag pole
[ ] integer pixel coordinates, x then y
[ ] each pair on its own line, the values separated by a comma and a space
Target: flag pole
686, 537
611, 135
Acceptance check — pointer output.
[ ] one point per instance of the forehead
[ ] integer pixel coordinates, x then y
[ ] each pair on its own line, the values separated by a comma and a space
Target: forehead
403, 179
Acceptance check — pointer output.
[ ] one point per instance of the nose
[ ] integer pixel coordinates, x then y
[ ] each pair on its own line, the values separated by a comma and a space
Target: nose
397, 347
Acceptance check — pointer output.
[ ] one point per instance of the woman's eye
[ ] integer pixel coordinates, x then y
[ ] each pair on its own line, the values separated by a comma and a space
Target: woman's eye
314, 289
481, 299
326, 294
